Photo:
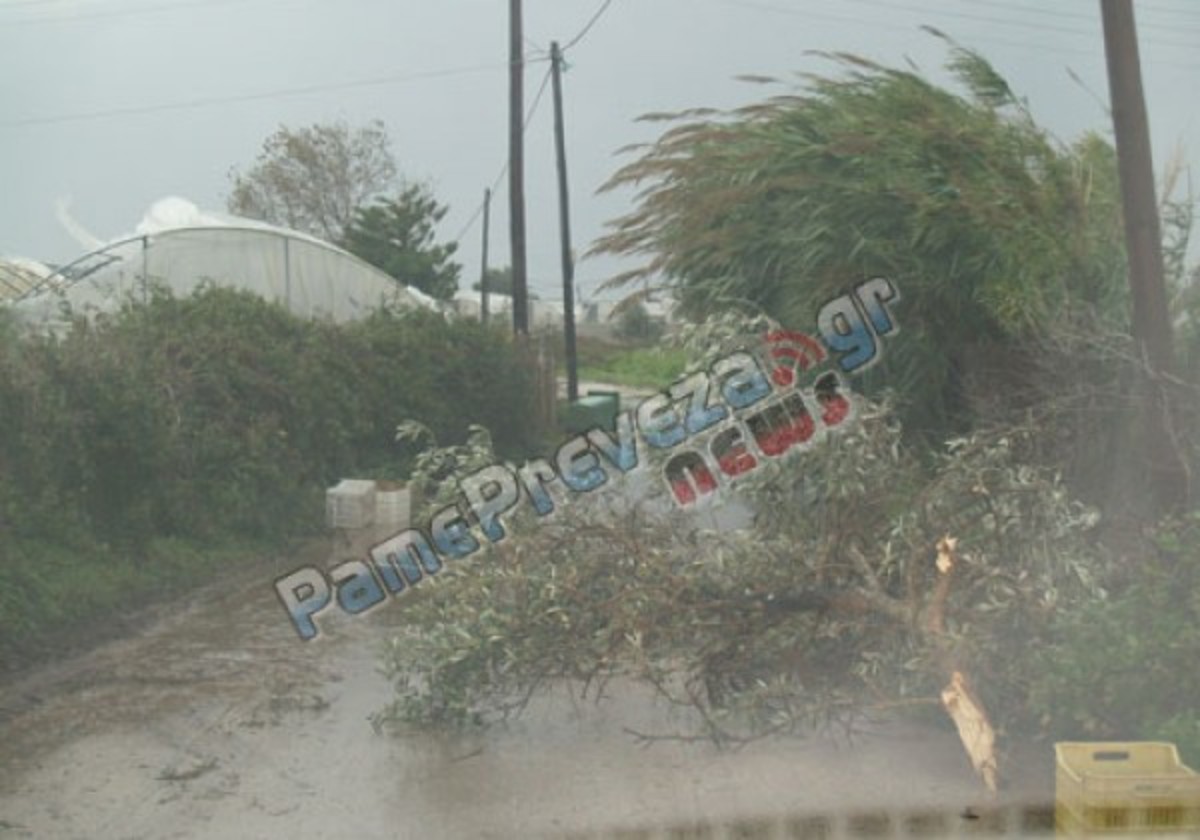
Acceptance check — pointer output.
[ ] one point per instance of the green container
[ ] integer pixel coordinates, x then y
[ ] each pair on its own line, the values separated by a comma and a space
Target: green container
598, 408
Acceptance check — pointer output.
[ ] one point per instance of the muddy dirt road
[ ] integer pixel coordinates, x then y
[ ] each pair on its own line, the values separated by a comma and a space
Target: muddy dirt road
214, 721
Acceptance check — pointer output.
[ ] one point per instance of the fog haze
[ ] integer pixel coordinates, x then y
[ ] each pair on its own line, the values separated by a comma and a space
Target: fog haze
116, 103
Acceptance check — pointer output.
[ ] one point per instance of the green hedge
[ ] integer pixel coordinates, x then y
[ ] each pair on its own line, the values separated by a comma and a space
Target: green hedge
1126, 668
210, 419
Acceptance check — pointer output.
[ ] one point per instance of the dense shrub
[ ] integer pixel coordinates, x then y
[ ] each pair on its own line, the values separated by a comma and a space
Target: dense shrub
216, 417
994, 230
636, 324
847, 595
1125, 667
831, 604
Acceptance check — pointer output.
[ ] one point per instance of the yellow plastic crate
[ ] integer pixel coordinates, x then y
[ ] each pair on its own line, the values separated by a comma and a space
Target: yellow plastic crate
1124, 788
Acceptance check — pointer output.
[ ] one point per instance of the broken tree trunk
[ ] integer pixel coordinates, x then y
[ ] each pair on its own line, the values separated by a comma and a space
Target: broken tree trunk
958, 698
974, 729
960, 702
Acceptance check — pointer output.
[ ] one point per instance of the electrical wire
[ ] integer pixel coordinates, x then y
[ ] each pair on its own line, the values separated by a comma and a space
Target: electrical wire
13, 4
579, 36
539, 52
784, 10
1166, 10
1056, 49
588, 27
248, 97
1002, 22
529, 114
116, 13
888, 4
1058, 13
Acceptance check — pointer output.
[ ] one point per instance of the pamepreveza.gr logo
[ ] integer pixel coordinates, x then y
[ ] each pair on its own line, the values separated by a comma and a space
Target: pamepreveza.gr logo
714, 426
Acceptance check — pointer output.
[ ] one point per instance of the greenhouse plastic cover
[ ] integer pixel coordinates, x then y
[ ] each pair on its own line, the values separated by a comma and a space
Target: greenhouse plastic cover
18, 276
180, 246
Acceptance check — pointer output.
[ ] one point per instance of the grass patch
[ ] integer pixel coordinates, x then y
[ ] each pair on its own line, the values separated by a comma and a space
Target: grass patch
633, 367
55, 595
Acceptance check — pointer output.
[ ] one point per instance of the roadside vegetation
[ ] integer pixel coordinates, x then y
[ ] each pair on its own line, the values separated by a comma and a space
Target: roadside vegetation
342, 184
983, 545
652, 366
141, 452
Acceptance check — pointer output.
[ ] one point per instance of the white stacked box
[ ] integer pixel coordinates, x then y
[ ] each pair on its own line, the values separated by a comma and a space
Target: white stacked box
392, 507
351, 504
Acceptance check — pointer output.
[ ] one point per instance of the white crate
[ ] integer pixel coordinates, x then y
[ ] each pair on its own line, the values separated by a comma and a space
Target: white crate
392, 506
351, 504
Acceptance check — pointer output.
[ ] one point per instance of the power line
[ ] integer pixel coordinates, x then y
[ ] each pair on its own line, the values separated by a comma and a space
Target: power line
588, 27
784, 10
529, 114
1058, 13
18, 3
119, 13
1002, 22
1166, 10
983, 39
579, 36
248, 97
538, 50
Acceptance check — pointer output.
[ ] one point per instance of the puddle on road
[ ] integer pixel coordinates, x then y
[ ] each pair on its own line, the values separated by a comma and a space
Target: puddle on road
218, 722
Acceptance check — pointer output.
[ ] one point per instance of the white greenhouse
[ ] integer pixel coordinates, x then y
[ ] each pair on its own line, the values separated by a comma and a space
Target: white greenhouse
180, 247
20, 276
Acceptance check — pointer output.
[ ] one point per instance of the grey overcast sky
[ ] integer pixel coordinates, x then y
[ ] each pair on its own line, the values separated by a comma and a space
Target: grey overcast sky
116, 103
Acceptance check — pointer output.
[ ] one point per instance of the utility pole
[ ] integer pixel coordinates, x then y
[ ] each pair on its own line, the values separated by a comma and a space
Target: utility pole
483, 289
564, 220
516, 168
1143, 243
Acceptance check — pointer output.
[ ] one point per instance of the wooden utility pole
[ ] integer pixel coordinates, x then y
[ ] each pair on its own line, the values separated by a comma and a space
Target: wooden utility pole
564, 219
483, 270
516, 168
1143, 242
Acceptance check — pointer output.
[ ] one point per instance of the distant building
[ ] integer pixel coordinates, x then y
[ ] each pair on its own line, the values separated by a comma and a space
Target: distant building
601, 314
543, 314
19, 276
180, 246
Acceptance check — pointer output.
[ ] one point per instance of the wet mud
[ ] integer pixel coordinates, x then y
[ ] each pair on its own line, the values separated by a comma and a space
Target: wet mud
215, 721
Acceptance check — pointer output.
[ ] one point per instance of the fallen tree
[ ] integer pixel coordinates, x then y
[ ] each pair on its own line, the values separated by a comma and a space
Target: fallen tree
868, 581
